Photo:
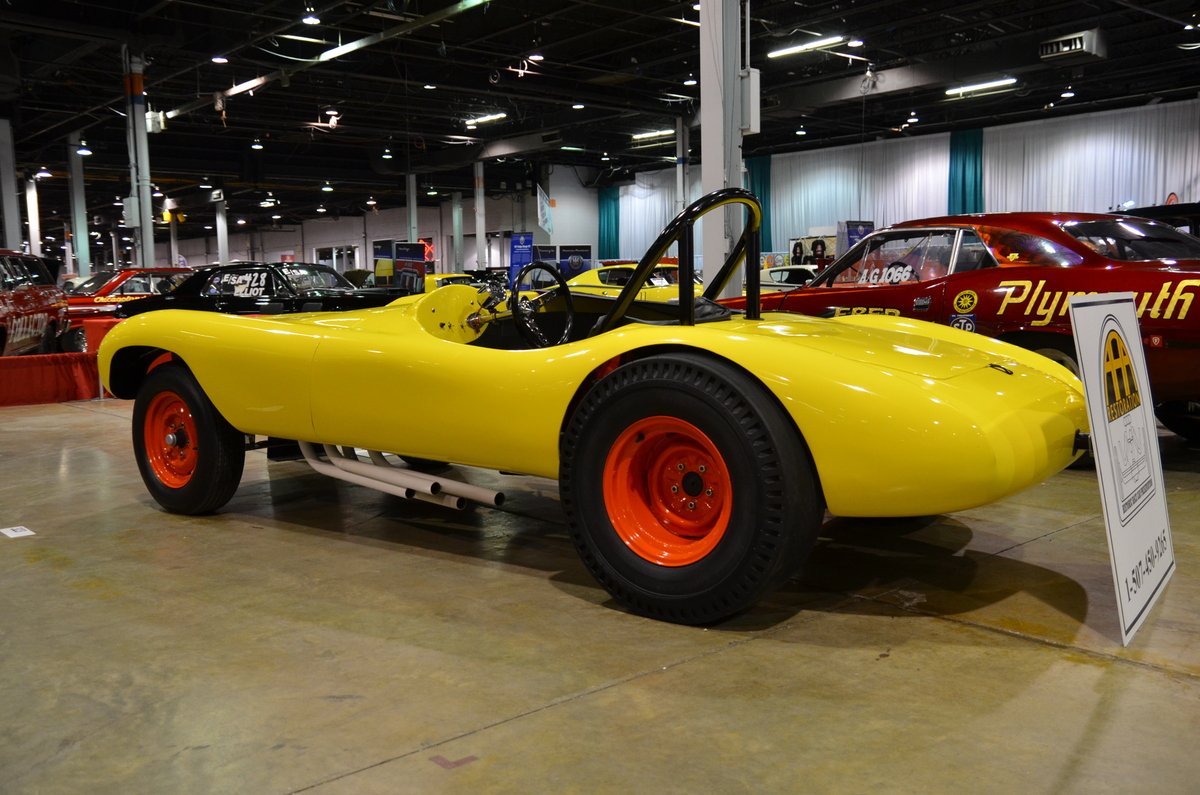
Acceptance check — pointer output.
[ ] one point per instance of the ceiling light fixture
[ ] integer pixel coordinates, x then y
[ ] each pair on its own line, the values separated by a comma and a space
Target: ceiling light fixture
651, 134
537, 56
257, 144
387, 153
205, 184
571, 148
429, 86
912, 117
371, 201
1067, 93
241, 222
82, 150
854, 43
310, 16
802, 131
158, 194
960, 90
487, 118
691, 81
44, 173
327, 188
276, 217
320, 208
605, 156
578, 106
806, 46
332, 111
431, 192
220, 59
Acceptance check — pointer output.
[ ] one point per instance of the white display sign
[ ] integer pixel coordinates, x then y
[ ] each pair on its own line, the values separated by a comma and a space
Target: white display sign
16, 532
1112, 365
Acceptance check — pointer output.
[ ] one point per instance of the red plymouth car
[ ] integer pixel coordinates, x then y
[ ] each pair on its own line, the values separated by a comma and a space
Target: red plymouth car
1010, 276
102, 292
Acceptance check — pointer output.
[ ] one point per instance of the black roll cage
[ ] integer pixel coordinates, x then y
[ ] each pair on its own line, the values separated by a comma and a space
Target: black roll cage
681, 230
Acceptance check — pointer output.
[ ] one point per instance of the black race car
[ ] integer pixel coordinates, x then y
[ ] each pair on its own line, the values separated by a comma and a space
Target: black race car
264, 288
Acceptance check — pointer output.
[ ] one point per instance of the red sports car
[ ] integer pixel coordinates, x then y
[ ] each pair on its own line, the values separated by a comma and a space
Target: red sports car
102, 292
1010, 276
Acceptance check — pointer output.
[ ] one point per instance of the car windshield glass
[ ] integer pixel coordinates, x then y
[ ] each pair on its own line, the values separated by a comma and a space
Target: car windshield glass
1132, 239
92, 284
894, 258
309, 277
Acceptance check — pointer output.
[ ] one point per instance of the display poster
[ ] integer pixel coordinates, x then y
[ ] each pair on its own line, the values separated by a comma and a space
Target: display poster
1108, 344
850, 232
773, 259
545, 218
384, 256
545, 253
410, 266
574, 260
520, 253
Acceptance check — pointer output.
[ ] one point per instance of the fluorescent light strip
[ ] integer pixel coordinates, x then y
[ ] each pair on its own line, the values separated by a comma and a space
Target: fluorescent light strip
1004, 81
654, 134
810, 45
491, 117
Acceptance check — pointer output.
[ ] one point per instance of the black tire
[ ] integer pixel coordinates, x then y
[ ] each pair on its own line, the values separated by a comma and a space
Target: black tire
766, 484
49, 343
1181, 417
189, 456
1060, 351
74, 341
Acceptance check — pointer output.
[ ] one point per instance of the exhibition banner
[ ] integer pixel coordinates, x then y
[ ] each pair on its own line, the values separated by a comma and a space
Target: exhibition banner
1112, 364
520, 253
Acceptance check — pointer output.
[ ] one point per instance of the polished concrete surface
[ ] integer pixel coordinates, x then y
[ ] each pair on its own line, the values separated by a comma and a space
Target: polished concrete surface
318, 637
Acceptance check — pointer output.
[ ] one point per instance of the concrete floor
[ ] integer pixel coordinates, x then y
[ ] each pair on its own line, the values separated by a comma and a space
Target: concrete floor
317, 637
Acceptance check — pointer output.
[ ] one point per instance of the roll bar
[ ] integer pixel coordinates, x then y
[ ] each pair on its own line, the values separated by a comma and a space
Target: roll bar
680, 230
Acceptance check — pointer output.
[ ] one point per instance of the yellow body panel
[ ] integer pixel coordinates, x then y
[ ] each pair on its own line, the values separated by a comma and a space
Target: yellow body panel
902, 417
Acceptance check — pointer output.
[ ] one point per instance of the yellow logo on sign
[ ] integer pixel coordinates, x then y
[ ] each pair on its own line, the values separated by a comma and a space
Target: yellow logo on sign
1121, 394
965, 301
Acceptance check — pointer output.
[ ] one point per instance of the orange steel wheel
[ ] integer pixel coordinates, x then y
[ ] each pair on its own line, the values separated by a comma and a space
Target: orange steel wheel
170, 436
667, 491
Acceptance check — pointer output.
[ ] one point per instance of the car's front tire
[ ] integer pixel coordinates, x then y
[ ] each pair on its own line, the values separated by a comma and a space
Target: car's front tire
189, 456
688, 489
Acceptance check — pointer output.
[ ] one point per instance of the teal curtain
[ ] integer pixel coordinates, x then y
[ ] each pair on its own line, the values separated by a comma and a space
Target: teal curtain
758, 182
610, 223
966, 172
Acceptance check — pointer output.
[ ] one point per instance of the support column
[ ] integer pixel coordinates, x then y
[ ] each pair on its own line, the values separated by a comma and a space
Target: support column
80, 236
481, 246
720, 122
222, 233
139, 162
174, 240
681, 164
411, 195
456, 227
9, 207
34, 217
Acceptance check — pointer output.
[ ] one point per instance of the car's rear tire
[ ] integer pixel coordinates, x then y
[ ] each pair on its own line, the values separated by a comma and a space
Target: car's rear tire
189, 456
688, 489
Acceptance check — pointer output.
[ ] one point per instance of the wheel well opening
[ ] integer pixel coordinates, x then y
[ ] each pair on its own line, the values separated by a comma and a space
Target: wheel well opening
130, 366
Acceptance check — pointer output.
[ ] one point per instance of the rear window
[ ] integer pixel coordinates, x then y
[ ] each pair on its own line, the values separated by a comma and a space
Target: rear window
92, 283
1011, 247
1133, 239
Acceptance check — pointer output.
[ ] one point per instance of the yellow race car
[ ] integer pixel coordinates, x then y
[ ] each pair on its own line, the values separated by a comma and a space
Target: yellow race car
696, 447
663, 284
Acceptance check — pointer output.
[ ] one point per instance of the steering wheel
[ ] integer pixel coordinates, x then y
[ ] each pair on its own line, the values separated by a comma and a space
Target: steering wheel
525, 309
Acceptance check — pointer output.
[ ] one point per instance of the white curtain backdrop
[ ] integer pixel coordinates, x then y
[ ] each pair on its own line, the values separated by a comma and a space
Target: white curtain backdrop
881, 181
1095, 162
646, 207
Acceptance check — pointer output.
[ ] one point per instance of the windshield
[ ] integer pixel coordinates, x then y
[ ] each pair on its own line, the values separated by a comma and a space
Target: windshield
310, 277
1134, 239
92, 284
